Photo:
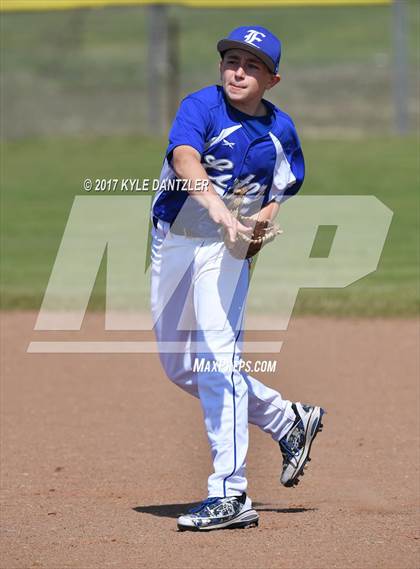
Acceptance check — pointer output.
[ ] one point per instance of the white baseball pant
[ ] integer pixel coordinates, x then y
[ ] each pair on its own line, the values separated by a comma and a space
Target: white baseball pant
198, 295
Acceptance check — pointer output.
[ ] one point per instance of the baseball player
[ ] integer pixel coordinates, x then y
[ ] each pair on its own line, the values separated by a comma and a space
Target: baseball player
231, 146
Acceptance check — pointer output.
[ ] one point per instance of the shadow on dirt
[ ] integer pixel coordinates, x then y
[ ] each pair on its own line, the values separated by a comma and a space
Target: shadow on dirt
297, 510
175, 510
165, 510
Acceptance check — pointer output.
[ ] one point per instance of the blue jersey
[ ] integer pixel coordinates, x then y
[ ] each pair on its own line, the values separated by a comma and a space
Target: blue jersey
264, 158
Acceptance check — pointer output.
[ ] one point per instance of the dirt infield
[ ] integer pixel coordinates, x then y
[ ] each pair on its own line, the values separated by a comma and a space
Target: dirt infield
101, 452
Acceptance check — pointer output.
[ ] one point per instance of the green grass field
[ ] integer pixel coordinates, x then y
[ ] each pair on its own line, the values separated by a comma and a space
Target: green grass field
74, 102
84, 72
41, 178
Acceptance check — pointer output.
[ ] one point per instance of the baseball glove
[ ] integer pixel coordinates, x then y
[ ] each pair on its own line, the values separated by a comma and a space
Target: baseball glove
263, 232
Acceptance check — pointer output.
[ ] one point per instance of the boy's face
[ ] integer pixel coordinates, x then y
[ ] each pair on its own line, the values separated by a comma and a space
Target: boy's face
245, 77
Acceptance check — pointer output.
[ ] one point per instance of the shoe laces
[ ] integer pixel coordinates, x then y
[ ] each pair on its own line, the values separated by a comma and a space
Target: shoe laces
291, 443
204, 505
286, 450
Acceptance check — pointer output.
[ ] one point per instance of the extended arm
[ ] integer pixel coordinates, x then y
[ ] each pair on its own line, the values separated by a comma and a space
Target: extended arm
187, 165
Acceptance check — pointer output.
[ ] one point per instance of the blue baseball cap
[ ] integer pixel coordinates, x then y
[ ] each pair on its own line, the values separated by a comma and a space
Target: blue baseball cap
257, 40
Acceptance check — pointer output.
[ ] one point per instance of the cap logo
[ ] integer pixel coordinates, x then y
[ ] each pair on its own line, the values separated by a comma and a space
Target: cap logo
252, 35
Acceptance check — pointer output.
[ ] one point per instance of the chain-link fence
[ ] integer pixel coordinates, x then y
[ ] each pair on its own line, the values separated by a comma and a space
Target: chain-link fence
86, 71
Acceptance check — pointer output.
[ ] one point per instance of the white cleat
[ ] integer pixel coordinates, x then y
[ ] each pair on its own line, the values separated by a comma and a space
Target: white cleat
296, 444
220, 513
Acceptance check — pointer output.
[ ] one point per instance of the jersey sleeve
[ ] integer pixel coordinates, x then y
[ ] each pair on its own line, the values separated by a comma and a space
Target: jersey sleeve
190, 126
289, 170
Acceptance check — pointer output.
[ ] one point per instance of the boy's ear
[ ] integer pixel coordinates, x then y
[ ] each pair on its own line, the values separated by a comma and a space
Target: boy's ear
275, 78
